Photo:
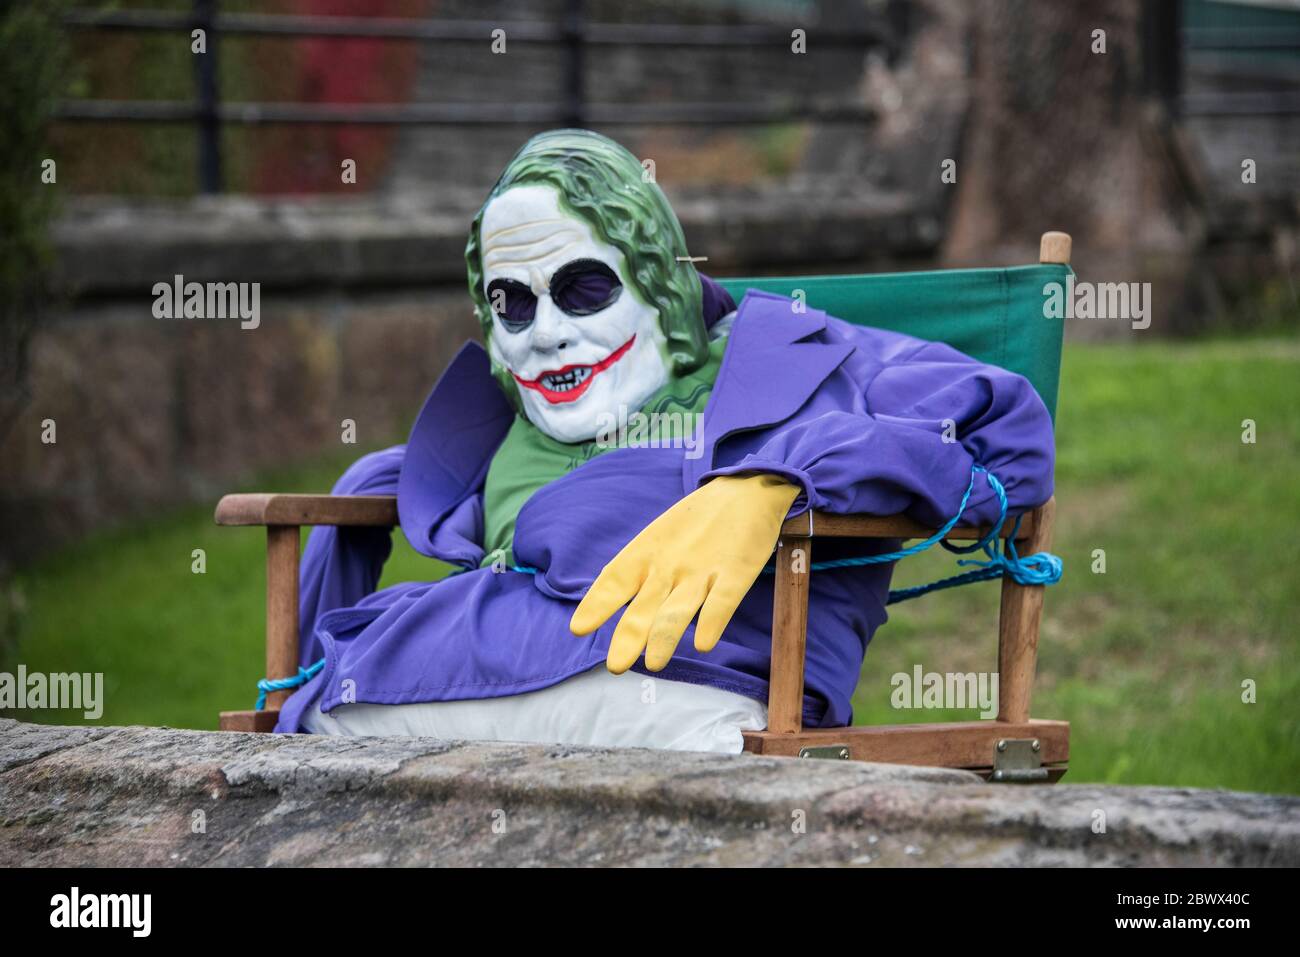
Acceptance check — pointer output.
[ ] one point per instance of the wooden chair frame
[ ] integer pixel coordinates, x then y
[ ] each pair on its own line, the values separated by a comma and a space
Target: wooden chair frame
974, 745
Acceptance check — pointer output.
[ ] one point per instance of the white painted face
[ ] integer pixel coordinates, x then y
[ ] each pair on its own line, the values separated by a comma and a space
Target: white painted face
566, 322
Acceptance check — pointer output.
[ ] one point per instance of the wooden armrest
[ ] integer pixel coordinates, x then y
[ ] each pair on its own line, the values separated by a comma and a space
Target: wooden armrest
284, 516
262, 508
894, 526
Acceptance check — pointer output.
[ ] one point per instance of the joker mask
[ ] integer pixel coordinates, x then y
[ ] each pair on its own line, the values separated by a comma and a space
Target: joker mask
567, 323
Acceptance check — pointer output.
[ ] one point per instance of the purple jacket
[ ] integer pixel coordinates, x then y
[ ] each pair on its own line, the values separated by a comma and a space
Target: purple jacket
855, 416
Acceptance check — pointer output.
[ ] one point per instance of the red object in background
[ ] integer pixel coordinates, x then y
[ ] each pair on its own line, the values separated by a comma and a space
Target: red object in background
308, 159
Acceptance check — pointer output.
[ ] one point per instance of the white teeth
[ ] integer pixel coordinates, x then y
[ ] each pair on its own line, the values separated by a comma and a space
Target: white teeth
564, 381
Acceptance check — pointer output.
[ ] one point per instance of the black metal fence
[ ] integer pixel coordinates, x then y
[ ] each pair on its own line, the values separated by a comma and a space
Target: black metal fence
573, 33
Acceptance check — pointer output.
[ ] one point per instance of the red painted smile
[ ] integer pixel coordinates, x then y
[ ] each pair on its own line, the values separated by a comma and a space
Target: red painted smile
568, 384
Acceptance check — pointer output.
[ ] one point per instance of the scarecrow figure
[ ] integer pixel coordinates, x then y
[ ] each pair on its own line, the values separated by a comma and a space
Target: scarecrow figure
585, 552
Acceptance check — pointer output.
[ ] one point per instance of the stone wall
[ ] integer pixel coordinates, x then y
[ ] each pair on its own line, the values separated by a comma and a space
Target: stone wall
151, 413
110, 797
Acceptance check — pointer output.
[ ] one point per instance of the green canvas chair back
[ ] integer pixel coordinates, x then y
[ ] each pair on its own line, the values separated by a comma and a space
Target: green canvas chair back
993, 315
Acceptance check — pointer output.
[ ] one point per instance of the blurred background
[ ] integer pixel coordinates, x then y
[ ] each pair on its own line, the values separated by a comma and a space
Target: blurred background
1167, 144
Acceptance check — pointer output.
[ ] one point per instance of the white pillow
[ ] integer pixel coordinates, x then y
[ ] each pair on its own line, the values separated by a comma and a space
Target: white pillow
595, 708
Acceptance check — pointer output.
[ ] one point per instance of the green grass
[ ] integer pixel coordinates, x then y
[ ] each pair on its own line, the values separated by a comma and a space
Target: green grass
1201, 590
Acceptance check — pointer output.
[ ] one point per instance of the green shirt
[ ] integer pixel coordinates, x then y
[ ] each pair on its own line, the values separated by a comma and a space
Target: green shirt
529, 458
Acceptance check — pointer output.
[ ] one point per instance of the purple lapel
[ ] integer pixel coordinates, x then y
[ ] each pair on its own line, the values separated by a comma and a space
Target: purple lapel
463, 421
767, 372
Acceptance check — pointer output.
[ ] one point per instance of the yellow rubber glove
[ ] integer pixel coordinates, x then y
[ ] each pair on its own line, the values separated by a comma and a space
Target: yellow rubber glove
699, 556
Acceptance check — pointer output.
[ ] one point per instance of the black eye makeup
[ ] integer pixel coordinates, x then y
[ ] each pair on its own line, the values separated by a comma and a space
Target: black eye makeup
513, 302
582, 287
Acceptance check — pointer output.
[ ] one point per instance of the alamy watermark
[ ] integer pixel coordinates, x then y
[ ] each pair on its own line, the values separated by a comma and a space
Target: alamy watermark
75, 909
1106, 300
73, 691
651, 430
179, 299
954, 690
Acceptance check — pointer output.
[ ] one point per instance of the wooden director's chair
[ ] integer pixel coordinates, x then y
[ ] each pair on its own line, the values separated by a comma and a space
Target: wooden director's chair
994, 315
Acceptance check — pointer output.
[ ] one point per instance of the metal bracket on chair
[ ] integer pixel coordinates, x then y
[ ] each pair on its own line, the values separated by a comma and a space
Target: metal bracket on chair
1018, 761
833, 752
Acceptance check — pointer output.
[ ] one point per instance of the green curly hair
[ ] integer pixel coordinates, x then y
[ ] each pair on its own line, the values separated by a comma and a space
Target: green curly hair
601, 183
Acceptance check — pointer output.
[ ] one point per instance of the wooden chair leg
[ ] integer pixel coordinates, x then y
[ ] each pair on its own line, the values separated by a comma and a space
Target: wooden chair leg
789, 634
282, 544
262, 722
1022, 611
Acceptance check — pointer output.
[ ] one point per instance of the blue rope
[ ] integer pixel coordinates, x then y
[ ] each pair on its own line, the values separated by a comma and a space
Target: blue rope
1042, 568
267, 685
919, 546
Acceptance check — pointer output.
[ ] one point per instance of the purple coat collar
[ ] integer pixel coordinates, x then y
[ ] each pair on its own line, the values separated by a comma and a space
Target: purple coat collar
773, 363
463, 421
772, 366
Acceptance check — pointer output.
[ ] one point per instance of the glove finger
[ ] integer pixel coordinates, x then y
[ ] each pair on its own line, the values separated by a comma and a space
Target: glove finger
613, 588
724, 598
670, 624
634, 627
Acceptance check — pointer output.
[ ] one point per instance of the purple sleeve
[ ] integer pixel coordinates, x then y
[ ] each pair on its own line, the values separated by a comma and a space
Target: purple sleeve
340, 566
893, 456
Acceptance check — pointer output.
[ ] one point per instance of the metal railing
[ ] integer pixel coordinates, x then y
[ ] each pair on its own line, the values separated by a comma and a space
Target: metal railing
574, 33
